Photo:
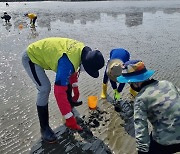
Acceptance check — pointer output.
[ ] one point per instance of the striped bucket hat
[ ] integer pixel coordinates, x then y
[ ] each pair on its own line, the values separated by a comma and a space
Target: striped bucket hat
134, 71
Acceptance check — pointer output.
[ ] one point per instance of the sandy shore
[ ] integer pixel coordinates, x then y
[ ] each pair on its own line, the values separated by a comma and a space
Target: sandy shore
149, 30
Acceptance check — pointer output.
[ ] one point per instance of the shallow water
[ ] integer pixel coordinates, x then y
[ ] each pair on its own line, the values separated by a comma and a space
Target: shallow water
149, 30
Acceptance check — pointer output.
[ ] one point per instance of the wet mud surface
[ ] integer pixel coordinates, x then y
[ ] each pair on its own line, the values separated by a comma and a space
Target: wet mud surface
149, 30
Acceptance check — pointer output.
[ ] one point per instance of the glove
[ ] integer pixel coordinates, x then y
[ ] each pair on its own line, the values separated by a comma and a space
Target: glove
75, 104
117, 95
61, 98
73, 100
65, 107
73, 81
76, 94
73, 78
72, 124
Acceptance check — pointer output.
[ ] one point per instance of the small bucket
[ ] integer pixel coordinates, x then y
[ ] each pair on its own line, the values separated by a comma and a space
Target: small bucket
20, 26
92, 102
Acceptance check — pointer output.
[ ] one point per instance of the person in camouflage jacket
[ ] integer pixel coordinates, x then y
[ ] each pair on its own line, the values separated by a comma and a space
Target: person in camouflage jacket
157, 102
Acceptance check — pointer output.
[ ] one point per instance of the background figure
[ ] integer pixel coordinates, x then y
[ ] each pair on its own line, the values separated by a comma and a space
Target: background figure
6, 17
113, 69
7, 4
157, 102
32, 18
63, 56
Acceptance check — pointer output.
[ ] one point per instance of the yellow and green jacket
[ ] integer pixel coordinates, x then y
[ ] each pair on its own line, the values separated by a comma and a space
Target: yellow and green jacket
61, 55
31, 15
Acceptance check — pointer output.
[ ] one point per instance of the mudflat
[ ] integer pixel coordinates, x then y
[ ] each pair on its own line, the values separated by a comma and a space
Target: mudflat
149, 30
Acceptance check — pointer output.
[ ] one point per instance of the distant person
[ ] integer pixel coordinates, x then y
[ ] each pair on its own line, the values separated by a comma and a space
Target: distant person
64, 56
7, 4
32, 18
157, 102
6, 17
117, 57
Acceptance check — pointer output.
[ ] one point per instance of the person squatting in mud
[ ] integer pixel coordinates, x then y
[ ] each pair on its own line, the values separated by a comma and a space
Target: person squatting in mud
63, 56
117, 58
6, 17
32, 17
157, 102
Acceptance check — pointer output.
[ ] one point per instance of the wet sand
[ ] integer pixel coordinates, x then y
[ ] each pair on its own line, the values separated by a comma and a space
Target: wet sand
149, 30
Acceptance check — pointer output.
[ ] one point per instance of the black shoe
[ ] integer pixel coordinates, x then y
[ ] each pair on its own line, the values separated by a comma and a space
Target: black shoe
75, 104
48, 135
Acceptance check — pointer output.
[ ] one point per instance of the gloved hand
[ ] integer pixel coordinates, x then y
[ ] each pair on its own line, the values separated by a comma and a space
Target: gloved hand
65, 107
73, 81
75, 104
76, 94
117, 95
72, 124
73, 78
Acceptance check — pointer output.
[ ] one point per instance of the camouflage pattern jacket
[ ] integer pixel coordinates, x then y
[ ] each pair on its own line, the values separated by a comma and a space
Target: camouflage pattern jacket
158, 102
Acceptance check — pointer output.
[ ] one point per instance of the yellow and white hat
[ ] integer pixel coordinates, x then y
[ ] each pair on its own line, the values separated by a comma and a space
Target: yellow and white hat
114, 69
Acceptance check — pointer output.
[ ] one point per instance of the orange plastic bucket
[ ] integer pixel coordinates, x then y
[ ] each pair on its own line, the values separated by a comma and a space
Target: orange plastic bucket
92, 102
20, 26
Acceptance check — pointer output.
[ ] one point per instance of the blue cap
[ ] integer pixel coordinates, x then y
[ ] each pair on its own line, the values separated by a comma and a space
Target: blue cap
92, 61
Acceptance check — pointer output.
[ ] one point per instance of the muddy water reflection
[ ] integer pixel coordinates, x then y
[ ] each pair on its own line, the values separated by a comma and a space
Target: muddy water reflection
131, 18
150, 33
134, 19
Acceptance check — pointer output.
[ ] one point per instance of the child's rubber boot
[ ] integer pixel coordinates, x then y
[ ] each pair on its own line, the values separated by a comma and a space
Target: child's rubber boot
104, 91
133, 92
